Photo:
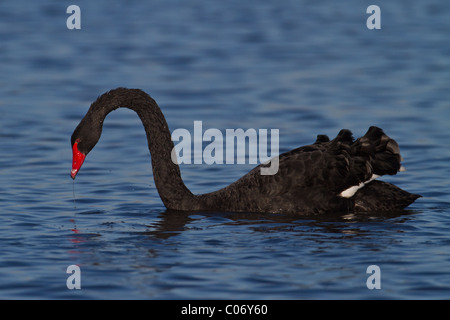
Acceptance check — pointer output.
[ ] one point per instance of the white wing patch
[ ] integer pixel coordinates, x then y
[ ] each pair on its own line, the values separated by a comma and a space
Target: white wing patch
350, 192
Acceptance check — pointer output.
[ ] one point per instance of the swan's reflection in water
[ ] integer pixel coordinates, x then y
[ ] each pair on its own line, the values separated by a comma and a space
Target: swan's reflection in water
237, 255
172, 223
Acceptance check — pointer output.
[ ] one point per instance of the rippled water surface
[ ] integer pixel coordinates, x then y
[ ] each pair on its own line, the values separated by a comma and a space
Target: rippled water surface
298, 66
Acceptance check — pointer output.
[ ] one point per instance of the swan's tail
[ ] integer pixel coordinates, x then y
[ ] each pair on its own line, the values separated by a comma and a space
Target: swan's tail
382, 196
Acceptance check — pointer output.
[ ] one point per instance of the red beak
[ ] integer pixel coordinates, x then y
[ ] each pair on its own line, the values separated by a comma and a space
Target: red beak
77, 160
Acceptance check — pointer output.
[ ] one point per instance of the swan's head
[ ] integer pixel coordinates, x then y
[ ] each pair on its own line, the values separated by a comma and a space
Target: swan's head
83, 139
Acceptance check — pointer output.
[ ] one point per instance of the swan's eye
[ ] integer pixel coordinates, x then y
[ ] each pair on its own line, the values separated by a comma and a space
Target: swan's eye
76, 141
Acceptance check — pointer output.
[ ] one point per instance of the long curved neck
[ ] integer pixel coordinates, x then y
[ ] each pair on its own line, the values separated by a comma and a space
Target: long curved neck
168, 181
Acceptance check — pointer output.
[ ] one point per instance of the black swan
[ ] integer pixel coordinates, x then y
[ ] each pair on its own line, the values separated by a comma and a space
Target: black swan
324, 177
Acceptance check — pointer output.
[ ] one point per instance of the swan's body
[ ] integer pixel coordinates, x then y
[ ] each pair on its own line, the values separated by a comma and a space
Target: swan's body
327, 176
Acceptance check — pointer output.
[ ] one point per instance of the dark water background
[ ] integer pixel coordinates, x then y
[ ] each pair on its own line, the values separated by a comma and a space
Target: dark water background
303, 67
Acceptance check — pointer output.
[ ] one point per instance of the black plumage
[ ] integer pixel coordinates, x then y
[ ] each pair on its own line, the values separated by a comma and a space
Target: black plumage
326, 176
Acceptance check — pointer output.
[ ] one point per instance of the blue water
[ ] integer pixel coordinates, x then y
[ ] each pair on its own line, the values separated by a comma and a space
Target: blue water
298, 66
